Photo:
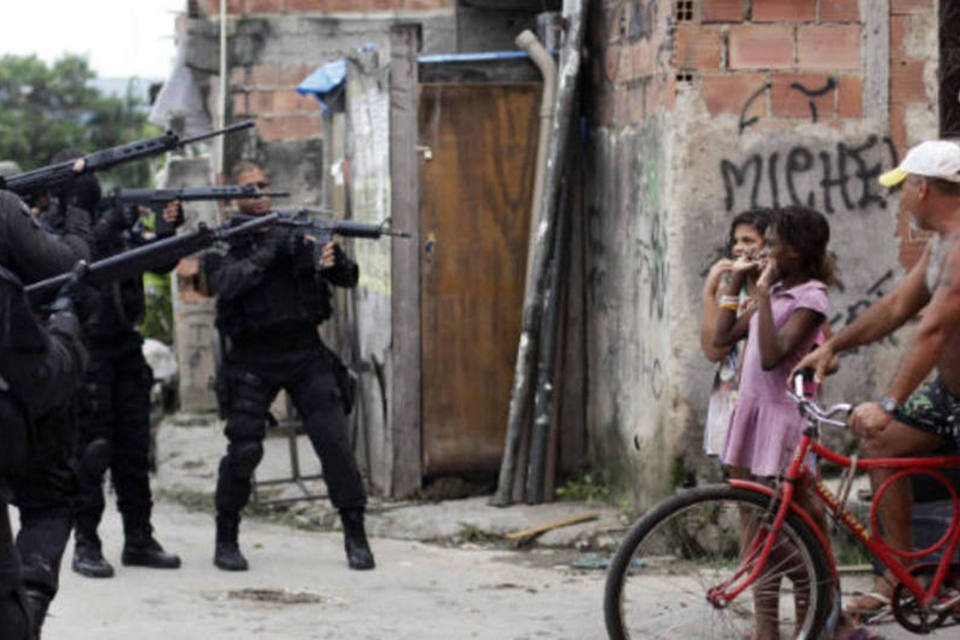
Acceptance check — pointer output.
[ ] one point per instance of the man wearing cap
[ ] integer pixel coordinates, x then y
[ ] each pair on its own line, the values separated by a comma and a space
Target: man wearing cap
911, 418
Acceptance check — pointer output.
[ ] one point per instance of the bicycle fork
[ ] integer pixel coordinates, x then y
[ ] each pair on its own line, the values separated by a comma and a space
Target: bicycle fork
757, 551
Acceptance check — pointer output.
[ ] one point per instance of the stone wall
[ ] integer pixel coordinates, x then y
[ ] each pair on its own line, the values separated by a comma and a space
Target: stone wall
701, 110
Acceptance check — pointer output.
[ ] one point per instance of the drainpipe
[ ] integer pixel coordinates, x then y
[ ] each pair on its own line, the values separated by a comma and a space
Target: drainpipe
548, 108
569, 73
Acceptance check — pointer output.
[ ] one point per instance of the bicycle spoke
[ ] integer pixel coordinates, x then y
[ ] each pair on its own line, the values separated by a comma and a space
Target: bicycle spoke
686, 553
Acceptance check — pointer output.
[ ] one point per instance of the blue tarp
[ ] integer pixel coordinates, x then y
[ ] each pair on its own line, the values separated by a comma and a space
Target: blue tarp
330, 77
323, 81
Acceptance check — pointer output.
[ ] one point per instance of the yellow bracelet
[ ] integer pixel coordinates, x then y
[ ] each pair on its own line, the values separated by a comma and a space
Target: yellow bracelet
729, 306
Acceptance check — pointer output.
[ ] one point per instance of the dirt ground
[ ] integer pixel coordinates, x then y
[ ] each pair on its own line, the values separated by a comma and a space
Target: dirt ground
300, 587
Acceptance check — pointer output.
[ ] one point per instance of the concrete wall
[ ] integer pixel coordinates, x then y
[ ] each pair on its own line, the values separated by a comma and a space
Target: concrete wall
697, 117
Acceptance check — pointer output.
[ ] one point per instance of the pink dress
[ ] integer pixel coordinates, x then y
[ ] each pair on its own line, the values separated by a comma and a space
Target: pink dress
765, 425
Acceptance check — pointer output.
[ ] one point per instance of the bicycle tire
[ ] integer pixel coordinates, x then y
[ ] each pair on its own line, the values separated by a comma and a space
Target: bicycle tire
694, 524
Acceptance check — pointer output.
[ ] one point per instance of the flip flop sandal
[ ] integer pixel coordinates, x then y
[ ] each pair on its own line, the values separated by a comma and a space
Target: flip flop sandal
870, 614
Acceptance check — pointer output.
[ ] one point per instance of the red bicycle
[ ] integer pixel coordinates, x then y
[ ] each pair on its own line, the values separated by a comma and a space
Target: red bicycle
700, 563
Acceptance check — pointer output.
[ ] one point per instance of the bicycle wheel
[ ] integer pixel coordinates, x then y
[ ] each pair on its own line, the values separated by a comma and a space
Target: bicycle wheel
658, 580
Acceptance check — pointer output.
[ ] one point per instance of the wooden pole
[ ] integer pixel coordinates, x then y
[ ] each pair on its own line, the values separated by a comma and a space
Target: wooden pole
405, 40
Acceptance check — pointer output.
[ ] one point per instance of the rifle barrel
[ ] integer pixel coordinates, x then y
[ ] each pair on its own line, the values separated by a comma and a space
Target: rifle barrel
239, 126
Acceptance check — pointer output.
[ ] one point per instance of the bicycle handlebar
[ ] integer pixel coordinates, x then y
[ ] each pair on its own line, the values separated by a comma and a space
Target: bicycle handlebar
815, 412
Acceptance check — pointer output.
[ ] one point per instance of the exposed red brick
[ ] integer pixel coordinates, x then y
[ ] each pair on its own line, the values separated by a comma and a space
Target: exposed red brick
729, 92
722, 11
290, 101
850, 97
638, 60
427, 5
786, 100
898, 127
238, 76
906, 82
828, 47
264, 6
285, 76
261, 101
839, 11
285, 127
233, 6
264, 75
898, 31
784, 10
911, 6
611, 63
760, 47
697, 47
240, 106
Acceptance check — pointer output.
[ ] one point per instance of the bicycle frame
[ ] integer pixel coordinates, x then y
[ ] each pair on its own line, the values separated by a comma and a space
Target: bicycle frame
783, 499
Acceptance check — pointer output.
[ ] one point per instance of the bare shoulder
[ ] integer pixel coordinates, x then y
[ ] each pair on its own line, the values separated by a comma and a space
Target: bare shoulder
946, 262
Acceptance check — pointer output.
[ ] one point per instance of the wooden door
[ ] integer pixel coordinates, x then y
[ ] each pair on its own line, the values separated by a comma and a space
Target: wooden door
476, 190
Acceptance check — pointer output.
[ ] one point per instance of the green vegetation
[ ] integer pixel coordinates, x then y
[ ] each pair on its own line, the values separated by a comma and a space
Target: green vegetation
585, 486
47, 108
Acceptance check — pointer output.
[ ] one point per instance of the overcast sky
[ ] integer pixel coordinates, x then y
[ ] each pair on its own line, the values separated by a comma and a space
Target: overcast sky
120, 38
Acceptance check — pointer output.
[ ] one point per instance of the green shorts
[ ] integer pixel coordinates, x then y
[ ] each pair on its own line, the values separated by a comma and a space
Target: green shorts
934, 410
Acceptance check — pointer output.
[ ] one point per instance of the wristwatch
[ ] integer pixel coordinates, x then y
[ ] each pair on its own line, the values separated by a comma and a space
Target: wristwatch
889, 405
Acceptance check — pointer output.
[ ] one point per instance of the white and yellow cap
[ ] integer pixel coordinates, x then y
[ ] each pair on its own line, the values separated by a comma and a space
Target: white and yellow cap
931, 159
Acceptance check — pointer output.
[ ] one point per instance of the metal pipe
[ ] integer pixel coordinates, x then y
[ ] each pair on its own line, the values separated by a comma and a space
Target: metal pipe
573, 11
222, 111
544, 392
539, 55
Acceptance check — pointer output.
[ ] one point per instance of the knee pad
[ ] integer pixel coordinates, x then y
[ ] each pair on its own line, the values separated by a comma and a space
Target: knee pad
245, 457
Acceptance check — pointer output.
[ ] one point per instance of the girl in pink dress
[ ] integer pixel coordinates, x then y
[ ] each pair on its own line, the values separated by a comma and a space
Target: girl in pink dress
790, 310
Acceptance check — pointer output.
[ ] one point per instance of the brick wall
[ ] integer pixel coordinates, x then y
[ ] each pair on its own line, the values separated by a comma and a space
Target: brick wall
266, 92
806, 55
325, 6
631, 73
907, 90
736, 47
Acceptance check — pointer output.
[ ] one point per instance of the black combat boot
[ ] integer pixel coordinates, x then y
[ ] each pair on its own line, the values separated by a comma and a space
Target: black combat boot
88, 557
226, 554
37, 604
141, 549
355, 543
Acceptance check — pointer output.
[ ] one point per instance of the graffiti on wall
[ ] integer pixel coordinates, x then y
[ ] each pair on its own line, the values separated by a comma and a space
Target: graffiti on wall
842, 177
747, 120
879, 288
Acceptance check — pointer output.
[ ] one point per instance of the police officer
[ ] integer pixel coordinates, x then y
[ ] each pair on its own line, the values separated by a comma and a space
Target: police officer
271, 295
39, 370
114, 408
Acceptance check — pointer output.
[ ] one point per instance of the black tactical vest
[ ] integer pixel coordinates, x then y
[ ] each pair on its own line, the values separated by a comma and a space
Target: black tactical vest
291, 295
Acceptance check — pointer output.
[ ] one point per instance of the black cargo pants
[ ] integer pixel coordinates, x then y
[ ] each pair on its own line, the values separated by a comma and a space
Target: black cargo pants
251, 379
115, 405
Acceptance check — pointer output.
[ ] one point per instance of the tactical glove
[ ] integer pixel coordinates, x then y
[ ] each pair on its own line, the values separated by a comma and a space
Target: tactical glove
76, 297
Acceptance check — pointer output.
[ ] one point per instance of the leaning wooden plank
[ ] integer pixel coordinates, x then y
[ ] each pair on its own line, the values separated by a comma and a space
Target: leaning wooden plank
556, 524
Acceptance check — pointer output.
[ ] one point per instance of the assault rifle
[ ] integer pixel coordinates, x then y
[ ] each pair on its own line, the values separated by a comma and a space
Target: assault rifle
120, 198
160, 197
320, 231
30, 183
150, 256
